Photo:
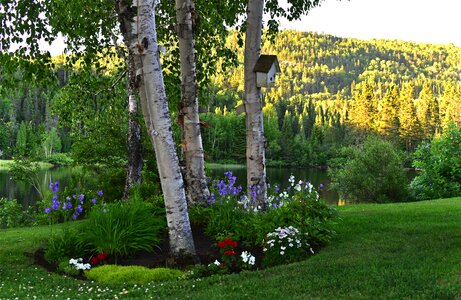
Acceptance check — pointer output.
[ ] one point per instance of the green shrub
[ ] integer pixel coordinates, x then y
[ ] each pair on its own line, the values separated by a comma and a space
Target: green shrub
440, 165
122, 228
113, 274
13, 215
60, 159
374, 173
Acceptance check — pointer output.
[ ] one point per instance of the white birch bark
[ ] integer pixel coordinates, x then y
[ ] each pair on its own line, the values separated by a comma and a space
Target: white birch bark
142, 43
194, 175
255, 152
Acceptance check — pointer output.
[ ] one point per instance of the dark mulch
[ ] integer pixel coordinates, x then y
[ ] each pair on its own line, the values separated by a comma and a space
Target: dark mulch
206, 249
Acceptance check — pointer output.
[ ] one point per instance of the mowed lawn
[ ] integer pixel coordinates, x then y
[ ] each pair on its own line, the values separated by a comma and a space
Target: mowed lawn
388, 251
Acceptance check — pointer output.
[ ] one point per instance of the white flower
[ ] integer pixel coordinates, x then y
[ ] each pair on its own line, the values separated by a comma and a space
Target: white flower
290, 244
216, 262
298, 187
81, 266
312, 251
282, 252
283, 247
251, 260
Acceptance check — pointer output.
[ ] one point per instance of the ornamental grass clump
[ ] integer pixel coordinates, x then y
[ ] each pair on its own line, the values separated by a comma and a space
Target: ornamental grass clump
122, 228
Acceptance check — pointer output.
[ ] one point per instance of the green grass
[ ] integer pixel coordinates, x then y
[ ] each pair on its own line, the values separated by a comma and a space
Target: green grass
391, 251
6, 164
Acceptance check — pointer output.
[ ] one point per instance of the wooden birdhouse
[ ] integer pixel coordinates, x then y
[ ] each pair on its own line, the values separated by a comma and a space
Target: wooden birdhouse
266, 69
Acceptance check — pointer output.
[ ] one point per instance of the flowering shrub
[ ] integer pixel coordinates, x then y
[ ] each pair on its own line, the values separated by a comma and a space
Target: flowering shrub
232, 214
227, 250
285, 245
63, 209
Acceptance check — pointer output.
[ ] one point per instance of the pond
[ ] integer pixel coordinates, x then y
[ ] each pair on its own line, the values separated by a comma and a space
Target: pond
27, 195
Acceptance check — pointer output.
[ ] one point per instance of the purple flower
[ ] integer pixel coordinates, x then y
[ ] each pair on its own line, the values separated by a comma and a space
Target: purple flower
78, 209
93, 201
47, 210
74, 217
321, 186
68, 198
55, 203
100, 193
69, 205
212, 199
276, 188
81, 197
54, 187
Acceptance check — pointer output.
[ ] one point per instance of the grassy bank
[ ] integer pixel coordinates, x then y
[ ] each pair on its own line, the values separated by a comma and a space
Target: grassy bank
392, 251
6, 164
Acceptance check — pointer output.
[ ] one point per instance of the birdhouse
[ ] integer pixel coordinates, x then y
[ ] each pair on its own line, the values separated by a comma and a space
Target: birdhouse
266, 68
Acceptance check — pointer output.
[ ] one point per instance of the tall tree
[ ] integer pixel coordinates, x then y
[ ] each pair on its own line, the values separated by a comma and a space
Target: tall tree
194, 174
388, 124
256, 160
410, 128
137, 22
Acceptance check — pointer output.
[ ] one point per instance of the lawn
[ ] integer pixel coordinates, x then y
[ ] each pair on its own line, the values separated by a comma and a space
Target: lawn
390, 251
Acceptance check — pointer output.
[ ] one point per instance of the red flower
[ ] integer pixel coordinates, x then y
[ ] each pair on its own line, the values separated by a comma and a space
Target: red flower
227, 243
102, 256
229, 252
94, 261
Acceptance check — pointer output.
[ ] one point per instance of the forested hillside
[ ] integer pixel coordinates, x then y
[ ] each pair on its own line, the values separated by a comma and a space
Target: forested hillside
332, 91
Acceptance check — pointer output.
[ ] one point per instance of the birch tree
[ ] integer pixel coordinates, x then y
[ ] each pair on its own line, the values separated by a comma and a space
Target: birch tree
255, 153
191, 139
139, 31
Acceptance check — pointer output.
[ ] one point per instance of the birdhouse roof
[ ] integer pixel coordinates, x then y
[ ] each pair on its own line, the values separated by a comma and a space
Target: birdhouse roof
265, 63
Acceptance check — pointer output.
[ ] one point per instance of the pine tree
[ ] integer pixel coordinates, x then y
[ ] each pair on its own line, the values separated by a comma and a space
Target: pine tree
410, 129
364, 109
388, 124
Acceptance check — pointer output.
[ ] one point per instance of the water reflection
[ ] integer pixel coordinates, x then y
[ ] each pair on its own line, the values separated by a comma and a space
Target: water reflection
27, 195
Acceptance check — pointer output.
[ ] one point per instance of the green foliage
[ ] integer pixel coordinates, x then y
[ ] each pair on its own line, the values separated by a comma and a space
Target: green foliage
286, 245
113, 274
231, 214
12, 214
51, 143
60, 159
66, 268
64, 244
27, 171
123, 228
440, 165
374, 173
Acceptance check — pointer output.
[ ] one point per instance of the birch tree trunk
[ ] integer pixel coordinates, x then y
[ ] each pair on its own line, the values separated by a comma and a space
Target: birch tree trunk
138, 27
255, 152
135, 162
194, 175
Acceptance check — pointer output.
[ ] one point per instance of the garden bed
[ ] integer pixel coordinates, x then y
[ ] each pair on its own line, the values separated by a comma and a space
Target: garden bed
206, 249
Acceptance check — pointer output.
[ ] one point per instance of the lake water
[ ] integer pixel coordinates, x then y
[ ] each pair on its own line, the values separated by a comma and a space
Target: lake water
27, 195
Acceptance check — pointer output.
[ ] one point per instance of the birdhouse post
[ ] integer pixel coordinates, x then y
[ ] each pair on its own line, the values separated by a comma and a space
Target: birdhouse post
266, 69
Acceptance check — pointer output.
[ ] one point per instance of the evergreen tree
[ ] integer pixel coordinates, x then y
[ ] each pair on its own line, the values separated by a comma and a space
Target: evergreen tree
388, 124
364, 109
21, 140
410, 129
